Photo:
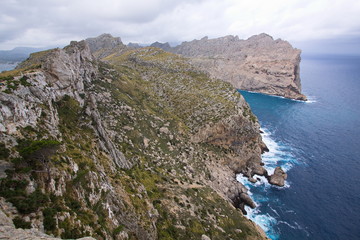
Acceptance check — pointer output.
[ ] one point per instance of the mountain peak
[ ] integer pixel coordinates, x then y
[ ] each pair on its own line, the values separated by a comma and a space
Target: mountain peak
164, 46
105, 40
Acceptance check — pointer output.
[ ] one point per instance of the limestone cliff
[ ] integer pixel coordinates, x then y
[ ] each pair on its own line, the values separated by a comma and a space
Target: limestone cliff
259, 64
130, 144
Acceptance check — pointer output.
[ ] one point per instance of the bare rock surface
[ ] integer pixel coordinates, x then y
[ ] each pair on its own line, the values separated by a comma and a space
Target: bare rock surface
104, 45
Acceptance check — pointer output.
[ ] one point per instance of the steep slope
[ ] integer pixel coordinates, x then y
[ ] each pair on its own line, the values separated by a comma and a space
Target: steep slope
259, 64
144, 146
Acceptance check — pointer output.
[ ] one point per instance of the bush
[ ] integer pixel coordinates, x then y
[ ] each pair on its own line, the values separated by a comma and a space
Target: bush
30, 203
4, 152
41, 147
49, 220
21, 223
118, 230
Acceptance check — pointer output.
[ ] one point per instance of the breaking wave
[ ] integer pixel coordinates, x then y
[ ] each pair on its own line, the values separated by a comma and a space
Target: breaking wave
279, 155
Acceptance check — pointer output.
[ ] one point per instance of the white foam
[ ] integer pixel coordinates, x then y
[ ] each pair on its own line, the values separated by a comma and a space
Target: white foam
288, 224
274, 211
311, 99
265, 221
275, 96
279, 155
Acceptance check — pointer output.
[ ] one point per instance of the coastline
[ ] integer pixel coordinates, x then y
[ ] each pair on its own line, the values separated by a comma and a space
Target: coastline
271, 159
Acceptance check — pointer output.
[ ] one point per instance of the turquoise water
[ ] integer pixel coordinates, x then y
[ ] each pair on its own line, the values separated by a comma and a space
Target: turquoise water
318, 143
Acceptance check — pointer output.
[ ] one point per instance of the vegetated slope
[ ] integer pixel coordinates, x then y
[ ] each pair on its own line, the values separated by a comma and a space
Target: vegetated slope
259, 63
144, 146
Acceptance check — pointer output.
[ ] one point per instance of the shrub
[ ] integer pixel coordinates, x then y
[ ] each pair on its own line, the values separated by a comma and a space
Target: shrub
4, 152
21, 223
118, 230
49, 220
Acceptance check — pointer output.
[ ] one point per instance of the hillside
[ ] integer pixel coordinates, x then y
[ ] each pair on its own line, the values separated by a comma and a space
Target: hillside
130, 144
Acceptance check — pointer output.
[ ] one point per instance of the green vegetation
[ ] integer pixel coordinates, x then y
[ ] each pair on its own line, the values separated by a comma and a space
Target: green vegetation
49, 220
14, 192
4, 152
32, 149
118, 230
20, 223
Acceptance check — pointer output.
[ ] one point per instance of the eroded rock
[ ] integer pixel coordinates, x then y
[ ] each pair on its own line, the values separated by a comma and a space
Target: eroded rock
278, 178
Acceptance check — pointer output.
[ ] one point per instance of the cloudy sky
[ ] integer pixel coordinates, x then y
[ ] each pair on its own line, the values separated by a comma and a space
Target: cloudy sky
40, 23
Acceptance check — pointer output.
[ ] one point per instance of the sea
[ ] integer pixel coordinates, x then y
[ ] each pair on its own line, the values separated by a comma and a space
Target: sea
318, 143
7, 66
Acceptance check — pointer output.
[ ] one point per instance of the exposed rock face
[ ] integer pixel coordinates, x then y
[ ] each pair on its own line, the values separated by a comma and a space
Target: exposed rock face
148, 146
163, 46
104, 41
259, 64
278, 178
105, 45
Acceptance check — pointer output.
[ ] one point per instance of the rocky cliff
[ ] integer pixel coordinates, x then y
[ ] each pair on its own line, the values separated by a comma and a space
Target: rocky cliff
259, 64
100, 140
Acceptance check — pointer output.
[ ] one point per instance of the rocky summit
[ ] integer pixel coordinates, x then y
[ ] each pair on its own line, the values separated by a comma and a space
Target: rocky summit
105, 141
260, 63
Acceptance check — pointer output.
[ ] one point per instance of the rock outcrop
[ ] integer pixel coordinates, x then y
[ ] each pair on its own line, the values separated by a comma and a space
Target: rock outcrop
104, 45
260, 63
121, 144
278, 178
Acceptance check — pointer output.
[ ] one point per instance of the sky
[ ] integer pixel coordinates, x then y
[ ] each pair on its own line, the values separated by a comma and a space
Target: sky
42, 23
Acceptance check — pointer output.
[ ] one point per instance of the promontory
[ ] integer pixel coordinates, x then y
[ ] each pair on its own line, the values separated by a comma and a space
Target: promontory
260, 63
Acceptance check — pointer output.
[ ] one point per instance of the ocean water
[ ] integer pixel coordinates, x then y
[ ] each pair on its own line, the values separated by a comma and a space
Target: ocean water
7, 66
318, 143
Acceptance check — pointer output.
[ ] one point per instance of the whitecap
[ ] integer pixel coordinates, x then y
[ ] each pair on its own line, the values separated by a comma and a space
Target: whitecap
288, 224
274, 211
279, 155
265, 221
311, 99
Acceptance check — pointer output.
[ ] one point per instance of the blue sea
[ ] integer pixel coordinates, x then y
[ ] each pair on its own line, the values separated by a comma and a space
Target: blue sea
7, 66
318, 143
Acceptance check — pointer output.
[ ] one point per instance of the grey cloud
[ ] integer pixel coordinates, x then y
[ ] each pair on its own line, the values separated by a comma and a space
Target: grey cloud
43, 22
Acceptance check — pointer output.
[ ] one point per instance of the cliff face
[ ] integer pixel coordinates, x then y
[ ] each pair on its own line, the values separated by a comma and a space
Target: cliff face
258, 64
139, 145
